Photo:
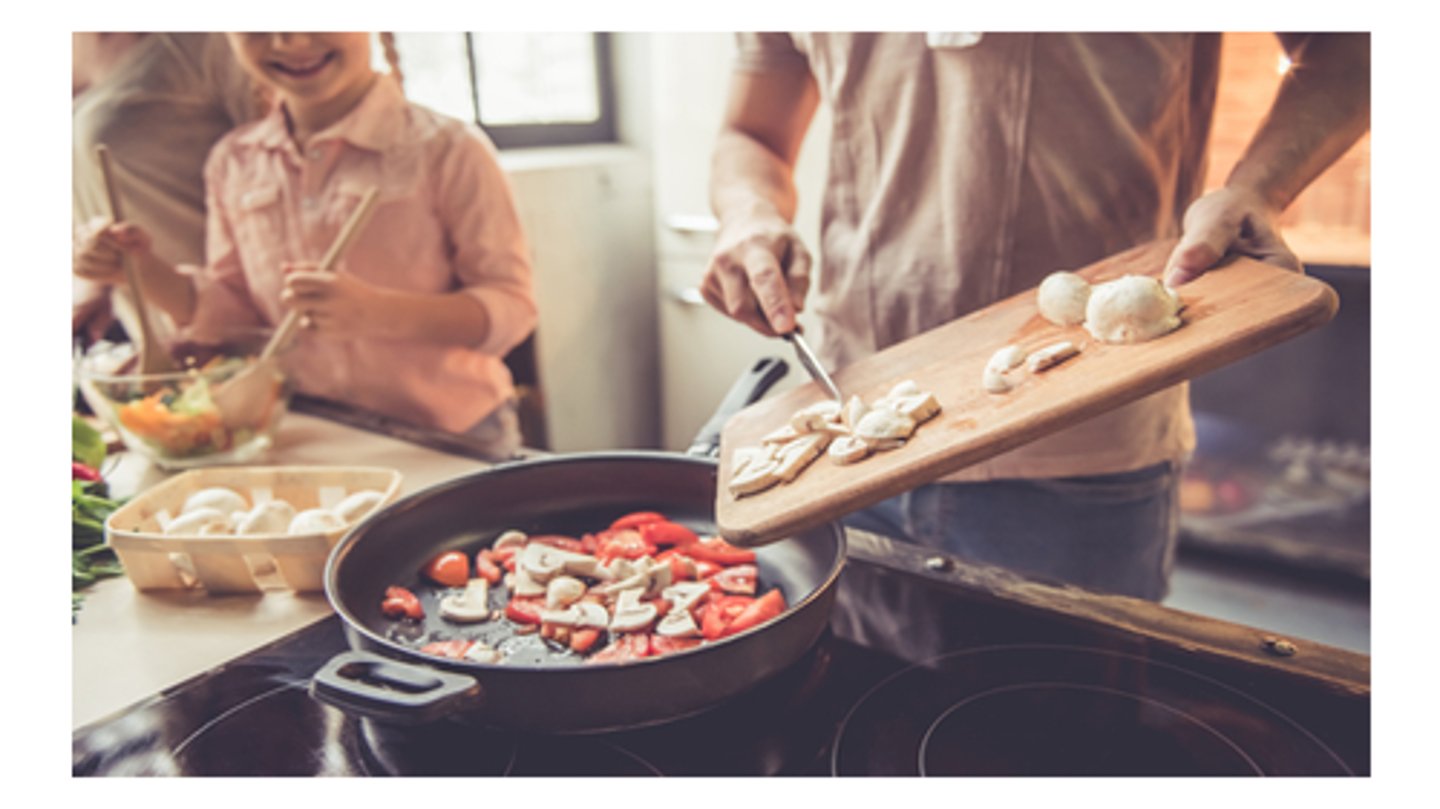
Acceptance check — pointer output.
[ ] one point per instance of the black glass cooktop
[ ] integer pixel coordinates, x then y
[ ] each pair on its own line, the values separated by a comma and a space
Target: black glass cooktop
937, 682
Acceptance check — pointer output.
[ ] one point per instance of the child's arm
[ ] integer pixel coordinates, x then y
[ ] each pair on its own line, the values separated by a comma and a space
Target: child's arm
100, 260
343, 305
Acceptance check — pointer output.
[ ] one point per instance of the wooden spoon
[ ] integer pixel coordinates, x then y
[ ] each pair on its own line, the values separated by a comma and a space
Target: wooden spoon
154, 359
252, 390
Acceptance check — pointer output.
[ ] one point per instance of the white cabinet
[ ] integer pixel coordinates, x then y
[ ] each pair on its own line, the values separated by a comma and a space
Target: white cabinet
701, 351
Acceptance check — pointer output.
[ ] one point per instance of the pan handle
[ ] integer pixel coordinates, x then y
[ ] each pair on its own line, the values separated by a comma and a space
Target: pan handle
366, 684
752, 384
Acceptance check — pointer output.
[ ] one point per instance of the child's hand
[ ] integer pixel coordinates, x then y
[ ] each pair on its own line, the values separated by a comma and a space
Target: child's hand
99, 255
333, 303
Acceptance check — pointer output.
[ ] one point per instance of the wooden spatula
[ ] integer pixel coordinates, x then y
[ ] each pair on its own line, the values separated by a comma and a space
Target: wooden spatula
251, 390
154, 359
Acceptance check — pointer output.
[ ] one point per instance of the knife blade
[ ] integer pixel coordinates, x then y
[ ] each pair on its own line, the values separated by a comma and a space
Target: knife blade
812, 364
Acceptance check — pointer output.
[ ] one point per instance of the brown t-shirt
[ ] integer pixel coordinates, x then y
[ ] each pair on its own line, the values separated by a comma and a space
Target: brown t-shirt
959, 175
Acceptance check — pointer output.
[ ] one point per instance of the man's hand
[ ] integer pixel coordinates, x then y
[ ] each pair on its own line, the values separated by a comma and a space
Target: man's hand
1227, 222
334, 303
759, 274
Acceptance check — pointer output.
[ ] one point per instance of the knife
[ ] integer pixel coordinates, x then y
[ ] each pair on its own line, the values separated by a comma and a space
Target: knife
812, 364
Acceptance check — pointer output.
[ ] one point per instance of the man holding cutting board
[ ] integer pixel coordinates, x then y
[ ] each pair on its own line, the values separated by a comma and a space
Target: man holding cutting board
965, 168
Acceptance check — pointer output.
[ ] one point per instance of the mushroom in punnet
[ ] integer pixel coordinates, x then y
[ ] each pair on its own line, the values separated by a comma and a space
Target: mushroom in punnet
223, 499
200, 520
468, 606
357, 505
269, 517
315, 521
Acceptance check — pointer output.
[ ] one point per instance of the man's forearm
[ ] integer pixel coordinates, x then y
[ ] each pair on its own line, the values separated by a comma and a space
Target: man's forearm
1320, 111
747, 179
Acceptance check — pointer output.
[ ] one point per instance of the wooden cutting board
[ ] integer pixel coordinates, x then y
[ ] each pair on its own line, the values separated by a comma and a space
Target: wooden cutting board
1229, 313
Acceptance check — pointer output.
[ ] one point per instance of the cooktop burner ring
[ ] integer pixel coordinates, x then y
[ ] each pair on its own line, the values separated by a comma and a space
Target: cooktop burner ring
894, 724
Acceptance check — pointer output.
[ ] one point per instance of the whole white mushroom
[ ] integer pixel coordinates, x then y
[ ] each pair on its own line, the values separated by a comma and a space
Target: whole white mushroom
315, 521
269, 517
220, 498
1131, 309
1062, 297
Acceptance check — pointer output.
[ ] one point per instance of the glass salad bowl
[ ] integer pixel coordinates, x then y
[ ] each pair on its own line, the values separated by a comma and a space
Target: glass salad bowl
184, 419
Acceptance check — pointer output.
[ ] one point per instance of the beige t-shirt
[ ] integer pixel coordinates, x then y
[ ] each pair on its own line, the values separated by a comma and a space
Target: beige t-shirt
965, 169
159, 111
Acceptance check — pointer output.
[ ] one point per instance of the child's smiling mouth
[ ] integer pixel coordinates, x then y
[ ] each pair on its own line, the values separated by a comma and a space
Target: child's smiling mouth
302, 67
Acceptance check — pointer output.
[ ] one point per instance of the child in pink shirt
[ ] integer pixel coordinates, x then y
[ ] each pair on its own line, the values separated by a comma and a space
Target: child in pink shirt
433, 290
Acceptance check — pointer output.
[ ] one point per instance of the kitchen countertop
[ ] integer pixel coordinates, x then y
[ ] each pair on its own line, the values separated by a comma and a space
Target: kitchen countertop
127, 645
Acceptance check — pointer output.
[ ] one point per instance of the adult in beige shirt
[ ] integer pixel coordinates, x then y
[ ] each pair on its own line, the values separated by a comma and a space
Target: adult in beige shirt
964, 168
158, 101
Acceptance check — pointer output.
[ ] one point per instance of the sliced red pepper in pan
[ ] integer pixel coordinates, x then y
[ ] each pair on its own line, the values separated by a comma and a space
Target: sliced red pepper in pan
453, 649
719, 613
757, 612
564, 543
636, 519
401, 603
632, 646
524, 610
486, 568
717, 550
738, 579
664, 532
625, 543
660, 644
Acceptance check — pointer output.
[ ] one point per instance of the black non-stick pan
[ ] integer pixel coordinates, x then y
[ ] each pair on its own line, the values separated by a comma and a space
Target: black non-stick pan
536, 689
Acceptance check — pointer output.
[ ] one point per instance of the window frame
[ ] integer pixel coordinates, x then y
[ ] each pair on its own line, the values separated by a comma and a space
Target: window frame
530, 136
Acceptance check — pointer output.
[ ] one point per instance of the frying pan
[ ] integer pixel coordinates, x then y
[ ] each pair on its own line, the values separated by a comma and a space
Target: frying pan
385, 678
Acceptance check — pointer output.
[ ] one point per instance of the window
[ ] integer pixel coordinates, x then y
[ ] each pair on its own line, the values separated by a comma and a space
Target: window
523, 89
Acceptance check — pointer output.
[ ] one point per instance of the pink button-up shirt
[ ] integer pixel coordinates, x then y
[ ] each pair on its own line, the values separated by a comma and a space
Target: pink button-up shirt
444, 221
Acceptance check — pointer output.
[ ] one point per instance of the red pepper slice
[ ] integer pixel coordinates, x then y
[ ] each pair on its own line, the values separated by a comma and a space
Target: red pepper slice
523, 610
401, 603
630, 646
717, 550
739, 579
562, 542
660, 645
80, 471
758, 612
665, 532
716, 616
625, 543
705, 569
486, 568
682, 567
453, 649
636, 519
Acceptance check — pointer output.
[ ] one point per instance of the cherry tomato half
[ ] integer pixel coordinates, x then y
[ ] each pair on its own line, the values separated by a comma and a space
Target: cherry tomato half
451, 568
